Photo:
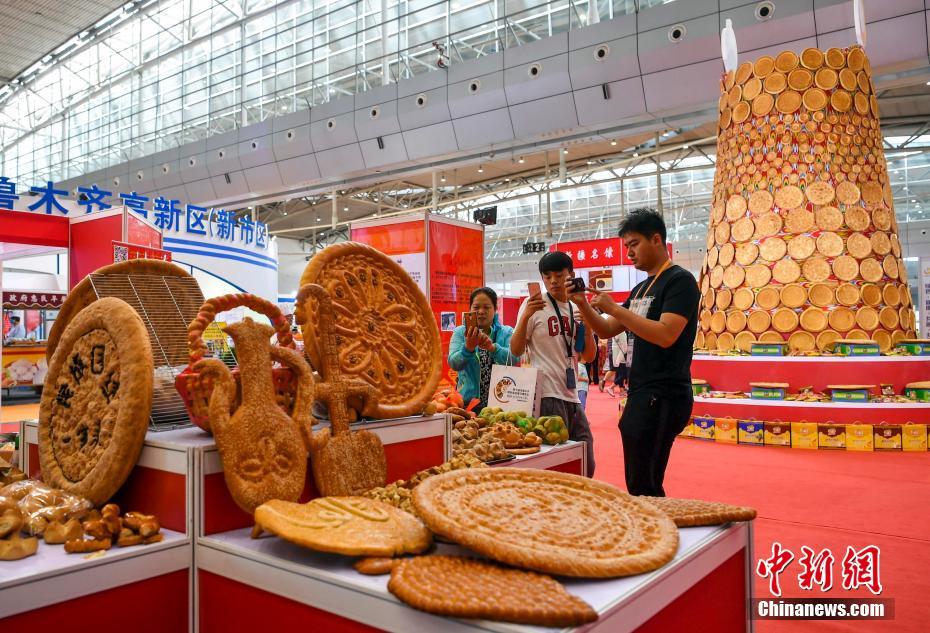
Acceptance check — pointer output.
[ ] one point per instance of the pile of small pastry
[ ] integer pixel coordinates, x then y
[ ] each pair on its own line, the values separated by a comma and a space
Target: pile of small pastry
31, 510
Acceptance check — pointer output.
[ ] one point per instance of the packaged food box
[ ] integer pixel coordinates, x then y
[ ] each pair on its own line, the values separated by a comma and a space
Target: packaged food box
850, 393
888, 437
768, 390
777, 434
768, 349
803, 435
726, 430
699, 387
688, 431
915, 347
751, 432
846, 347
831, 436
859, 437
703, 428
914, 437
919, 391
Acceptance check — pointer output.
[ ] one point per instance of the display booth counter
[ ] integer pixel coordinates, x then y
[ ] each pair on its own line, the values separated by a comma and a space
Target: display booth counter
568, 457
162, 482
269, 583
795, 411
734, 373
130, 586
410, 445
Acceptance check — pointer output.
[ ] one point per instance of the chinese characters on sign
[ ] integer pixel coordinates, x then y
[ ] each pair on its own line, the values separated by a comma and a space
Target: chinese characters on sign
33, 300
167, 214
859, 568
123, 251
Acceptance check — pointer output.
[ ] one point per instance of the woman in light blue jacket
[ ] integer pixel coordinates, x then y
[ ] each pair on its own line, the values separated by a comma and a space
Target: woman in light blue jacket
473, 351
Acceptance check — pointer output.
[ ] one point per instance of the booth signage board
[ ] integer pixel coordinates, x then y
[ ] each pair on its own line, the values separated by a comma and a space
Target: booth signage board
44, 300
124, 251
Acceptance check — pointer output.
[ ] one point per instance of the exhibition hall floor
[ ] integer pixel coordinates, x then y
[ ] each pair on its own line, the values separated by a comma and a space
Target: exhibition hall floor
821, 499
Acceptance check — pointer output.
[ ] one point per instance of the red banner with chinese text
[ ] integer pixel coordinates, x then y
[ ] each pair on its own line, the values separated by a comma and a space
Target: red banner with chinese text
124, 251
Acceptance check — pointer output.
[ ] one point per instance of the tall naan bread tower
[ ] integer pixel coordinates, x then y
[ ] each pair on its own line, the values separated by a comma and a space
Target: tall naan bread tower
802, 245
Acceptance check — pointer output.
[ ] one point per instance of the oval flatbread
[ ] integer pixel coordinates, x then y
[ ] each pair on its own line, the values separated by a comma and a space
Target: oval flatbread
820, 192
826, 79
724, 298
747, 254
712, 255
743, 229
847, 192
736, 321
736, 207
893, 269
763, 67
826, 339
741, 112
842, 319
828, 218
870, 269
725, 342
855, 59
705, 320
743, 72
867, 318
801, 341
734, 95
871, 294
883, 339
881, 217
710, 341
801, 247
786, 61
734, 275
812, 58
799, 220
845, 268
835, 58
816, 269
718, 322
708, 298
709, 242
864, 83
758, 276
743, 299
814, 99
722, 233
872, 193
771, 337
848, 79
758, 321
96, 401
752, 88
725, 257
767, 224
861, 102
906, 317
786, 271
744, 340
829, 244
821, 295
788, 102
857, 218
763, 104
785, 320
718, 211
902, 271
891, 295
888, 317
859, 246
699, 340
775, 83
760, 202
814, 320
841, 101
789, 197
800, 79
880, 243
716, 276
629, 536
793, 296
847, 295
773, 248
768, 298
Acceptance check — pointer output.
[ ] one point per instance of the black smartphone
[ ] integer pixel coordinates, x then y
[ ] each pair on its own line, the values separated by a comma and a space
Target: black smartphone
578, 285
471, 320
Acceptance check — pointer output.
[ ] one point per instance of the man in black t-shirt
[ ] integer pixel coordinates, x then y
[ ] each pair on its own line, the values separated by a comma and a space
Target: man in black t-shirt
660, 318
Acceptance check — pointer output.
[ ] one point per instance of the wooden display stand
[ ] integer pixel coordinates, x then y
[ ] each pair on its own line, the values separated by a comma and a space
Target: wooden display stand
269, 583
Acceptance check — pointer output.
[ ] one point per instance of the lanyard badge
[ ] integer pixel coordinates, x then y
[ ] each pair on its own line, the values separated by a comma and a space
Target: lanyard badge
570, 382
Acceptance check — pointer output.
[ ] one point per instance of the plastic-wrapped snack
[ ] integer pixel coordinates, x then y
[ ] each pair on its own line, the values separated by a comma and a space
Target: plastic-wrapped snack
44, 505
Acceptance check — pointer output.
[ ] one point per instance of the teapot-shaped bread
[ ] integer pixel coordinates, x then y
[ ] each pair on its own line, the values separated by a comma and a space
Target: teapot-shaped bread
264, 452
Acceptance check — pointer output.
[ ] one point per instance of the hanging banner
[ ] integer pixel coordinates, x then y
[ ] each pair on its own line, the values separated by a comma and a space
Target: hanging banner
45, 300
600, 253
124, 251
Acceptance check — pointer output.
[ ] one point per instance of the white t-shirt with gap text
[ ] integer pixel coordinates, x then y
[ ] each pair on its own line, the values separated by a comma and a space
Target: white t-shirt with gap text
546, 351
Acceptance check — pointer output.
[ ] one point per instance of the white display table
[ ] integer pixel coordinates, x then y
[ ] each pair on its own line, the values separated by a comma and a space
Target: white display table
568, 457
269, 583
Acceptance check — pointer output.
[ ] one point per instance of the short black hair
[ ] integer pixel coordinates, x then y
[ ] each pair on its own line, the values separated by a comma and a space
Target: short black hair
488, 292
15, 318
645, 221
555, 261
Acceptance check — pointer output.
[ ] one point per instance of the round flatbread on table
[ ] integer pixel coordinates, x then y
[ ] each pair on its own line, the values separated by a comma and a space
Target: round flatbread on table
594, 530
696, 513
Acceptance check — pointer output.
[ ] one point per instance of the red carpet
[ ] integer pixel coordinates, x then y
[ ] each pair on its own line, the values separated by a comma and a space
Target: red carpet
816, 498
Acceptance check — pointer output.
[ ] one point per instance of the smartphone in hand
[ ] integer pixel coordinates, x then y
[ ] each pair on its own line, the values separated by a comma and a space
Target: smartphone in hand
471, 320
578, 285
534, 289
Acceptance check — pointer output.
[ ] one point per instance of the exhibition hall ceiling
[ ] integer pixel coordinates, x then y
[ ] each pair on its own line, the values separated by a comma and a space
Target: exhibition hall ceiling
31, 29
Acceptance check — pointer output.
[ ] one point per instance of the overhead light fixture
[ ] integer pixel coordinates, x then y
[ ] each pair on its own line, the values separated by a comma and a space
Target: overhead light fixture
685, 146
565, 151
345, 208
284, 213
614, 143
521, 161
635, 154
442, 178
317, 218
590, 162
480, 169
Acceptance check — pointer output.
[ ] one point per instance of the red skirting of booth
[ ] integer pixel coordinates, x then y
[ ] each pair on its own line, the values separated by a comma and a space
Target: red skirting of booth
154, 605
792, 411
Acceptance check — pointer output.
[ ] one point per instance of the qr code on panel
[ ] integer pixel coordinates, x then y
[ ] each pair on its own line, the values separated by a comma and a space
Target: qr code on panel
120, 253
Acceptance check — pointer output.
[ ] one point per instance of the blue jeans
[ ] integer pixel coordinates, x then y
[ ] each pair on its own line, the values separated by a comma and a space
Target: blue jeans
583, 396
